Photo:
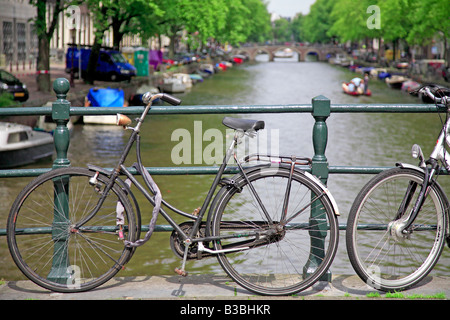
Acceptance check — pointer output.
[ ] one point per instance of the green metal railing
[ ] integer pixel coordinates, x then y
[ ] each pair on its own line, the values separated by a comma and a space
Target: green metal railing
320, 109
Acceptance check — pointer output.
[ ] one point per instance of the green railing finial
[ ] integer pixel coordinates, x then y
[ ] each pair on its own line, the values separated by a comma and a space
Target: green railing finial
61, 87
61, 115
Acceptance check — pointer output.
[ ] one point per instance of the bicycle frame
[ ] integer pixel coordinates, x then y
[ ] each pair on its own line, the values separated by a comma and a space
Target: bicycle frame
439, 154
151, 192
122, 169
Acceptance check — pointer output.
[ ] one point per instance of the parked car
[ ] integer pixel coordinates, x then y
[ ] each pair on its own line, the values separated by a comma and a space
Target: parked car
11, 84
111, 64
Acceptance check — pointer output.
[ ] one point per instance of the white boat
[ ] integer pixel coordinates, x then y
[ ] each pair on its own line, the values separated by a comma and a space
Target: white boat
340, 59
185, 79
21, 145
396, 81
172, 85
286, 53
207, 68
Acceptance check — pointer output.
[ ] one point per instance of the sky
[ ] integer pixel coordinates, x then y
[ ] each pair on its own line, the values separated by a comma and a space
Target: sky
289, 8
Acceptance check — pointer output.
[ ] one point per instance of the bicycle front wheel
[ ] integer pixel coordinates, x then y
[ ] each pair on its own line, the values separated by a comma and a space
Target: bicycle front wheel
281, 249
382, 257
47, 247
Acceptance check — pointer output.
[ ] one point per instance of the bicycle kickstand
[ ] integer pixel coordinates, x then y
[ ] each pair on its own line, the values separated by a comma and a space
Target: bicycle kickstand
181, 271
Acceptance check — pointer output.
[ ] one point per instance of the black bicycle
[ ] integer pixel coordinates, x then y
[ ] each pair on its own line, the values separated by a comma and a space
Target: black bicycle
272, 226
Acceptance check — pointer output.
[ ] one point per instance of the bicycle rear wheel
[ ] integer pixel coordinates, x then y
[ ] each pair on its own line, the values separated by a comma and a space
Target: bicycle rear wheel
49, 250
284, 257
382, 258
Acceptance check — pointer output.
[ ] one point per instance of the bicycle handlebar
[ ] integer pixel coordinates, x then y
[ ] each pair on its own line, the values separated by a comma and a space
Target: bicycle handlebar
148, 98
444, 100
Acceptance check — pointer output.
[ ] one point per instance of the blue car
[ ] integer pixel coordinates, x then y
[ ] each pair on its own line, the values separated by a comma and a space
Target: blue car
111, 64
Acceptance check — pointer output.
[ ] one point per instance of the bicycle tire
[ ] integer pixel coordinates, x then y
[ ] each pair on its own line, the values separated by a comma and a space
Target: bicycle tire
382, 258
281, 264
44, 243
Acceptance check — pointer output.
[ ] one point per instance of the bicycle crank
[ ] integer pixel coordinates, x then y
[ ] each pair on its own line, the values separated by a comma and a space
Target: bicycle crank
178, 246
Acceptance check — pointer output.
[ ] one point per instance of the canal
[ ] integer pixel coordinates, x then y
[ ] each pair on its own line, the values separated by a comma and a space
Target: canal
354, 139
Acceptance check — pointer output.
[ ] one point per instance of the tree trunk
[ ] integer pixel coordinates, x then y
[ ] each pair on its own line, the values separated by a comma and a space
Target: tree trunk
117, 35
43, 65
93, 59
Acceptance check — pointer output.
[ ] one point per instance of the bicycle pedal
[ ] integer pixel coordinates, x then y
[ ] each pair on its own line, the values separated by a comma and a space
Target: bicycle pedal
180, 272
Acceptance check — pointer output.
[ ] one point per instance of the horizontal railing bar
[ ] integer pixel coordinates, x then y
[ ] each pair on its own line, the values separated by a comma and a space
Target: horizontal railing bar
15, 173
205, 109
169, 228
48, 230
385, 108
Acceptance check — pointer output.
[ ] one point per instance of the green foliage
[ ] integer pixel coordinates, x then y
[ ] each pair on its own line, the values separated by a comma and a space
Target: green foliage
7, 100
226, 21
415, 21
282, 30
317, 23
430, 18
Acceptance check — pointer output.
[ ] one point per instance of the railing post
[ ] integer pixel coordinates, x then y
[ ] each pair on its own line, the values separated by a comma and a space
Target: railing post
61, 115
60, 235
321, 111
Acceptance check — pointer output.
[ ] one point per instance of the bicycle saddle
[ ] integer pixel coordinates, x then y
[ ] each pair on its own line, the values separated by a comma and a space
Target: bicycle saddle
243, 124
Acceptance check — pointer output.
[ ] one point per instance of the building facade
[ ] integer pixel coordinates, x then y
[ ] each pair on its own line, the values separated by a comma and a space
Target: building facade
18, 36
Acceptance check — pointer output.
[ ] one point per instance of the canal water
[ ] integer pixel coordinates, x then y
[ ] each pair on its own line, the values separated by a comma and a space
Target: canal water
353, 140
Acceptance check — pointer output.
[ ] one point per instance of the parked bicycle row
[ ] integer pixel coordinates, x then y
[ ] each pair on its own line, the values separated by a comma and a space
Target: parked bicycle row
272, 226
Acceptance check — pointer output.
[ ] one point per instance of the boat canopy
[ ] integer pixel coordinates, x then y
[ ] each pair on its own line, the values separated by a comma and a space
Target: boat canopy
106, 97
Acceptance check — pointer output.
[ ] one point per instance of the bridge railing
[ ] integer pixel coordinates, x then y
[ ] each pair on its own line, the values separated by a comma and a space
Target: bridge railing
320, 109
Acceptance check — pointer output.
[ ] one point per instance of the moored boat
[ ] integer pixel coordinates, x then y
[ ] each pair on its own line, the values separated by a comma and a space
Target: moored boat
396, 81
206, 68
410, 86
345, 88
285, 53
104, 97
172, 85
21, 145
185, 79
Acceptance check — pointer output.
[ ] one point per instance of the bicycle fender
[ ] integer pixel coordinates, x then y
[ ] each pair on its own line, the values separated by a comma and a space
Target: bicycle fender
324, 189
409, 166
310, 176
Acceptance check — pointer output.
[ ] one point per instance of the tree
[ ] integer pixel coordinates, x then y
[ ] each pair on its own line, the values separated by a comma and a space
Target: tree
45, 34
318, 22
123, 16
257, 20
431, 18
397, 18
282, 31
297, 27
350, 20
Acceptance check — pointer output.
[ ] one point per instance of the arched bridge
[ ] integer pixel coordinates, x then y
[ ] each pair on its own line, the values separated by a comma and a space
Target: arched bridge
302, 51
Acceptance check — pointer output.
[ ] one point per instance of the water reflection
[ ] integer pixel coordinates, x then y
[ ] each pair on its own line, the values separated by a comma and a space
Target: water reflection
93, 143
